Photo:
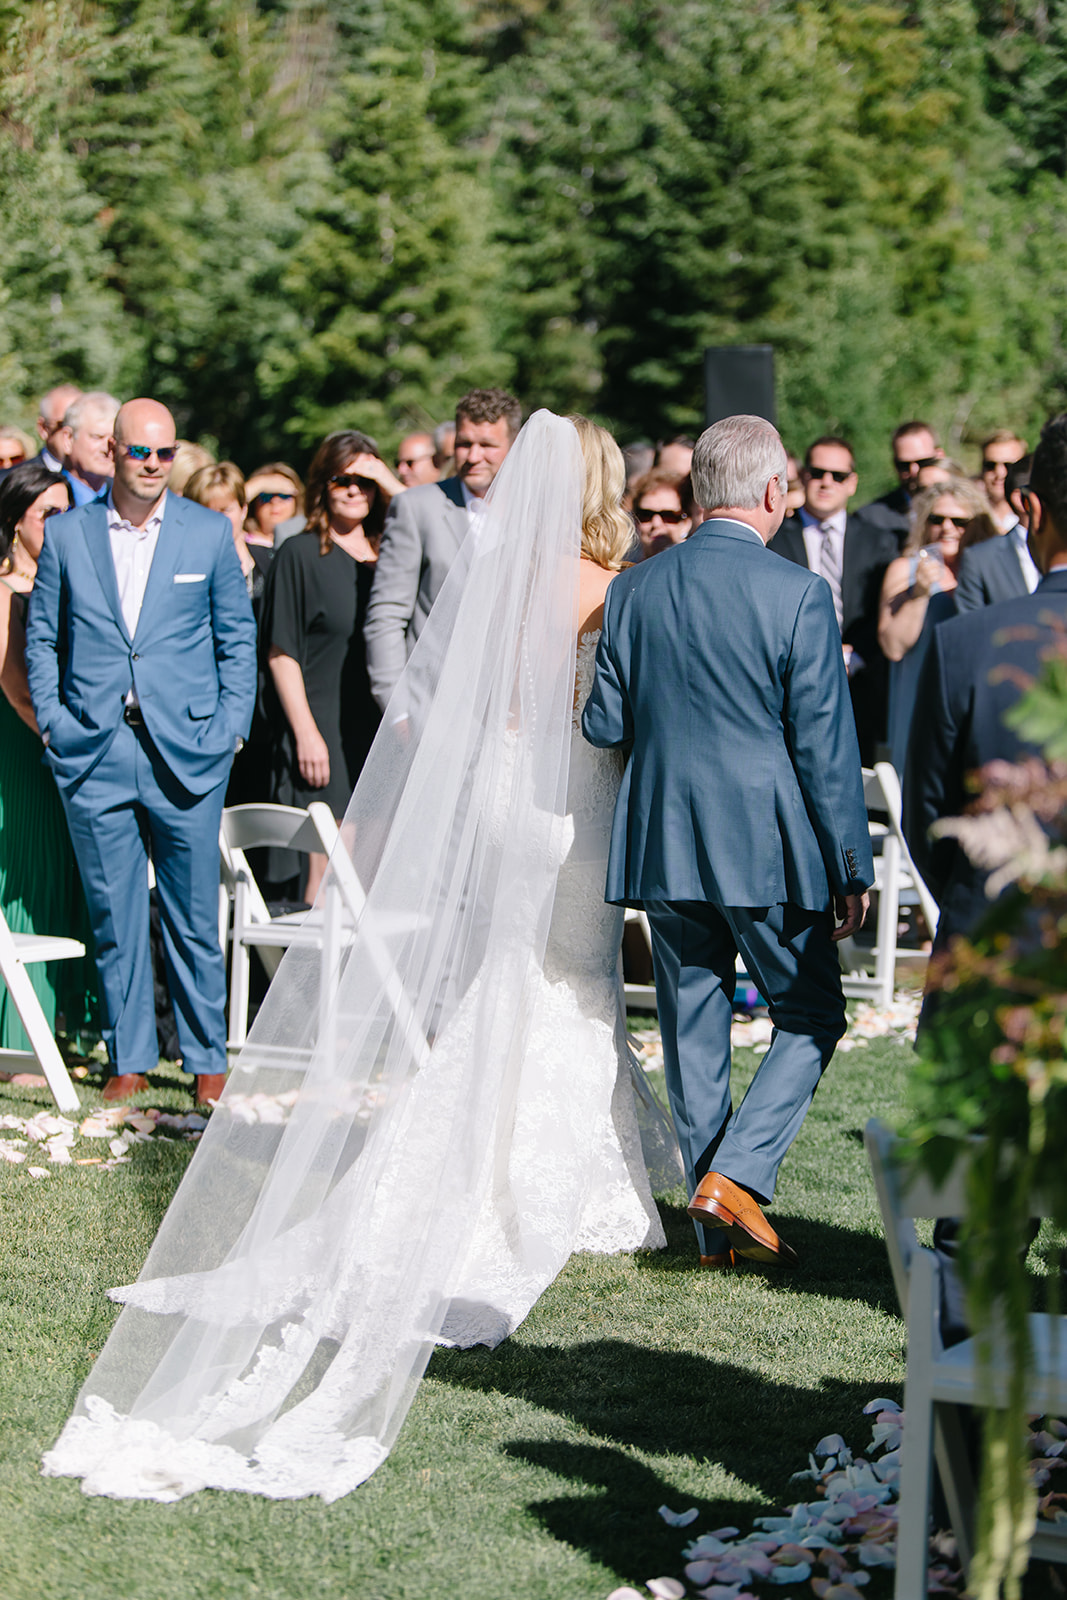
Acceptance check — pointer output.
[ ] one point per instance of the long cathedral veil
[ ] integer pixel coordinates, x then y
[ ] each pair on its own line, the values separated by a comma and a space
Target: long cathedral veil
285, 1314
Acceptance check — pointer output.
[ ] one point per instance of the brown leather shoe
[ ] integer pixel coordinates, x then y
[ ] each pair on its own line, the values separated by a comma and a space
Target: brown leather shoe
726, 1258
209, 1087
123, 1085
722, 1202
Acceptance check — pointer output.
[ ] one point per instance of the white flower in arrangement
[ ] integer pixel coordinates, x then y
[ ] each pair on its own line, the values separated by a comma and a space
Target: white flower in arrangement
1009, 843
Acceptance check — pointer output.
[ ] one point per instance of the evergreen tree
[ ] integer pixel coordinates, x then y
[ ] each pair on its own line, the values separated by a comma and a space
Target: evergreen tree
385, 291
61, 318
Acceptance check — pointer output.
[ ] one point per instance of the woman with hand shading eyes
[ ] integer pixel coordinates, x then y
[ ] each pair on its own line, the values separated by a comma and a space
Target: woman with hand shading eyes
663, 510
312, 630
275, 495
40, 891
917, 590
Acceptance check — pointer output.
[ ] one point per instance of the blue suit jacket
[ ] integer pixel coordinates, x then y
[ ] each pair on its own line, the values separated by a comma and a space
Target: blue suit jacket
972, 675
721, 666
989, 572
192, 660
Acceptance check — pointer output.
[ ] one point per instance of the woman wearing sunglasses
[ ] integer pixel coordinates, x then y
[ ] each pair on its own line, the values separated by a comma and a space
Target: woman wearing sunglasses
917, 590
40, 891
663, 510
312, 631
275, 495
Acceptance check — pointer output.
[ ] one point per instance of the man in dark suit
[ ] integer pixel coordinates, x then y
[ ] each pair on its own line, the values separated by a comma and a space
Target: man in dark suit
972, 676
1000, 569
740, 824
852, 557
141, 650
915, 446
424, 529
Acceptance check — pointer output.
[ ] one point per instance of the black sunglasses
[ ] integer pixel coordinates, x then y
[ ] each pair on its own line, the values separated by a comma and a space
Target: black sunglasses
948, 522
349, 480
991, 466
817, 474
269, 495
915, 466
643, 514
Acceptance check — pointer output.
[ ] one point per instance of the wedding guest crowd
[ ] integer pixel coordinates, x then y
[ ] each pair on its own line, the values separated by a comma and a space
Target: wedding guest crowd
340, 576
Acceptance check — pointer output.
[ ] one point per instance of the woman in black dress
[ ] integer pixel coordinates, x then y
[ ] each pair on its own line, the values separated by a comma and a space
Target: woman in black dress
312, 630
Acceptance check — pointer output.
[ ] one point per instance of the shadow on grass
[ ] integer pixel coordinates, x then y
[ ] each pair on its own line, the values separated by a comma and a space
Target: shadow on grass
844, 1263
612, 1511
665, 1402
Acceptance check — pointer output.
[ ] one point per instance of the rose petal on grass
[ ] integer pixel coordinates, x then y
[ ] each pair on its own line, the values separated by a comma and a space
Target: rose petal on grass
880, 1405
625, 1593
665, 1588
678, 1519
38, 1172
800, 1573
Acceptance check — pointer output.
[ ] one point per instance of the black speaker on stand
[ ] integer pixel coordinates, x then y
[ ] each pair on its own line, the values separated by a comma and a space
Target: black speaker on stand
739, 380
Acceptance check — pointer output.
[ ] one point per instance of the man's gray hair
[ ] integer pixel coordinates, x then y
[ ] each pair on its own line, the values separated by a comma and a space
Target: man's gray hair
93, 400
733, 462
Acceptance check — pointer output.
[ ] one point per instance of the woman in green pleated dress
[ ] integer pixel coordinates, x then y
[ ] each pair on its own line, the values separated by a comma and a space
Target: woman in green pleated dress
40, 891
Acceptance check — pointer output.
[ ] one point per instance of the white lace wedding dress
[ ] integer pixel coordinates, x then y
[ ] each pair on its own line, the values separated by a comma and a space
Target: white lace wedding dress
571, 1175
404, 1194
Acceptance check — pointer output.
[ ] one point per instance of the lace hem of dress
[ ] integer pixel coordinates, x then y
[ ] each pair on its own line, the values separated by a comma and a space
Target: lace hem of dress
123, 1459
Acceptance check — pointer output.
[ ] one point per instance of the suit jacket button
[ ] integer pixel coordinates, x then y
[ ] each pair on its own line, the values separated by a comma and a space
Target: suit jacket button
137, 658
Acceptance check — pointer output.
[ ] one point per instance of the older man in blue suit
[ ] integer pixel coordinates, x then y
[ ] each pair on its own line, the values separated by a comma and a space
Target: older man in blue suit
141, 649
740, 824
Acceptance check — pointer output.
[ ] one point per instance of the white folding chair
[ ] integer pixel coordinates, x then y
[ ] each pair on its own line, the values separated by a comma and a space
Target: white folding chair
17, 952
639, 996
328, 928
896, 877
940, 1380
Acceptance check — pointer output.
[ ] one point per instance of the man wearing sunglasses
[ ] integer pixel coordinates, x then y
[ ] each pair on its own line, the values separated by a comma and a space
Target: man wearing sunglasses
141, 650
915, 448
1001, 569
852, 557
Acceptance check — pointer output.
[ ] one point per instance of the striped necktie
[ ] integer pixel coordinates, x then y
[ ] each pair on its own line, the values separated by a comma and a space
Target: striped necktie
830, 566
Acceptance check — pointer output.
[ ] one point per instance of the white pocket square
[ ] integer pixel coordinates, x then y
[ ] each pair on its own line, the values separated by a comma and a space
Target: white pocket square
189, 577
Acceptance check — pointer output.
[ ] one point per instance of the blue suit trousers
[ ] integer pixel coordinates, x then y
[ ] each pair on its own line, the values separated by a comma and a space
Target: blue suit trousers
789, 953
128, 807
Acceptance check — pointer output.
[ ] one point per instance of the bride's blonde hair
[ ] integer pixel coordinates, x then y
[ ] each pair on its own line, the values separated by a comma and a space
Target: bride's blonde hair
607, 531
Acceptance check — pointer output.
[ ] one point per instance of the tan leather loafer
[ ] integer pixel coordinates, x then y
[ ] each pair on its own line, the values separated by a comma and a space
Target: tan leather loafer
720, 1201
123, 1084
209, 1087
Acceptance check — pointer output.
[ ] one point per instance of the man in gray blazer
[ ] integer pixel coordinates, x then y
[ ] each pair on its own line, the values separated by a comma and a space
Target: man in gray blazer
740, 824
1002, 568
424, 529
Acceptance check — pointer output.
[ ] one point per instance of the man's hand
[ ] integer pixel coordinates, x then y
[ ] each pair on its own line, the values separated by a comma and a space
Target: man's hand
851, 912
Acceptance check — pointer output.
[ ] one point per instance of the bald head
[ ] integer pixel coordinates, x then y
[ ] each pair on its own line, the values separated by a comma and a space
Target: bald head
138, 415
146, 427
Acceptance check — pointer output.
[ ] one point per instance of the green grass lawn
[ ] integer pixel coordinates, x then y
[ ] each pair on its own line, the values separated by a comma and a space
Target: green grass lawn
534, 1471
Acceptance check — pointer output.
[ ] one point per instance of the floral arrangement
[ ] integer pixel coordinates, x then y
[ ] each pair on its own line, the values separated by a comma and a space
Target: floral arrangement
992, 1084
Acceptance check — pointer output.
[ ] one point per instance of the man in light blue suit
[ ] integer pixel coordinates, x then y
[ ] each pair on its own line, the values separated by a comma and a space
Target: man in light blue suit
740, 823
141, 649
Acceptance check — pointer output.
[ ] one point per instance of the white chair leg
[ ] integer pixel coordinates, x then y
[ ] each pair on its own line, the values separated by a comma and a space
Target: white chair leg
239, 974
42, 1040
913, 1512
888, 920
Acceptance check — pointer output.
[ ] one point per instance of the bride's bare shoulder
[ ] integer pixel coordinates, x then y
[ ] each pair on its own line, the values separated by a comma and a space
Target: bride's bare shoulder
592, 587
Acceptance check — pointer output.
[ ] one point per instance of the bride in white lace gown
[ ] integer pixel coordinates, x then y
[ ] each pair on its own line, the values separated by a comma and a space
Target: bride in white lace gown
424, 1125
